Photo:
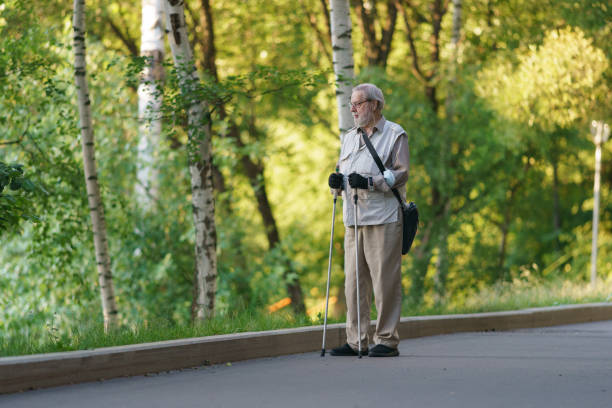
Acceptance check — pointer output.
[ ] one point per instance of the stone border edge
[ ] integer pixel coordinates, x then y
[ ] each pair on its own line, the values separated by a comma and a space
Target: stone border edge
48, 370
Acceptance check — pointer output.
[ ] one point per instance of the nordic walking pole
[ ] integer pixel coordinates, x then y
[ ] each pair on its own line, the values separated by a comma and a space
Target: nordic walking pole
331, 244
357, 274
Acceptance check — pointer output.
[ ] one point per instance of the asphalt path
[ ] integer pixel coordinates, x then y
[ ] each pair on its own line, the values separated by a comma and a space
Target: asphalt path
563, 366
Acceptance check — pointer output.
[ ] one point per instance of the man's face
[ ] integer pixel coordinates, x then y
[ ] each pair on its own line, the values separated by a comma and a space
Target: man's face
362, 109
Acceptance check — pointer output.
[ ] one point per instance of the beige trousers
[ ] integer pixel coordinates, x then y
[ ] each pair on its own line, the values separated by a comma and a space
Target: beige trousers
380, 270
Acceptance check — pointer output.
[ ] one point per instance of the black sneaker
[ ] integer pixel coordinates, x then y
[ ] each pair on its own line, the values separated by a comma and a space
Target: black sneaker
380, 350
347, 350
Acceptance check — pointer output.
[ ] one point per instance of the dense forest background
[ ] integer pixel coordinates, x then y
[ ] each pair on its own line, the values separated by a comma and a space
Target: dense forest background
497, 106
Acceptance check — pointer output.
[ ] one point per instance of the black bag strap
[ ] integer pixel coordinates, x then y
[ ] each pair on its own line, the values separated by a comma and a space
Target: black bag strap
366, 139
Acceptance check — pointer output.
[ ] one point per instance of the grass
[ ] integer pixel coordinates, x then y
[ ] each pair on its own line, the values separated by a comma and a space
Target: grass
516, 295
86, 336
519, 294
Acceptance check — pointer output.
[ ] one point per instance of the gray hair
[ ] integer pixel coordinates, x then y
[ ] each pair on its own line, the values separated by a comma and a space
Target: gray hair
372, 93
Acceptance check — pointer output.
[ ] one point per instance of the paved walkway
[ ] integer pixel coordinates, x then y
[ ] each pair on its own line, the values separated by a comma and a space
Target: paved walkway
564, 366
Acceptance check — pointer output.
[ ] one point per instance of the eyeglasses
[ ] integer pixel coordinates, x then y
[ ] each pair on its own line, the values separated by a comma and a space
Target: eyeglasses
358, 104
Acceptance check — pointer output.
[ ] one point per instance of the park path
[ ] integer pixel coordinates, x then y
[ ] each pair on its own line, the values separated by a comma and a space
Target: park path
563, 366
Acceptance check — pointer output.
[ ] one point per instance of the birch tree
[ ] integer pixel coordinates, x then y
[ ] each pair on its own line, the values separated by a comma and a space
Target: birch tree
200, 167
454, 43
342, 46
149, 99
96, 208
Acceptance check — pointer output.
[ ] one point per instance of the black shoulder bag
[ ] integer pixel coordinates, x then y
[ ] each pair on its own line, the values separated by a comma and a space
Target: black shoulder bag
410, 212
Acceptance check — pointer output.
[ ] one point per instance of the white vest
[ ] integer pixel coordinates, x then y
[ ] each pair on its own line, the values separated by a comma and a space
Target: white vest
374, 207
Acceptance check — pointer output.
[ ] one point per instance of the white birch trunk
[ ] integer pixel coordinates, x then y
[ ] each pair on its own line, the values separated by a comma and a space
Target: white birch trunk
454, 62
150, 100
456, 26
96, 209
200, 167
342, 47
456, 36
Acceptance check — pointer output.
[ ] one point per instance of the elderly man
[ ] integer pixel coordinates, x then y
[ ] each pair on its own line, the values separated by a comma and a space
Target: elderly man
379, 222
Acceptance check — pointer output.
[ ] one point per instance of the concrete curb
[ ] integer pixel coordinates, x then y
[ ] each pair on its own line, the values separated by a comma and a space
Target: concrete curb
48, 370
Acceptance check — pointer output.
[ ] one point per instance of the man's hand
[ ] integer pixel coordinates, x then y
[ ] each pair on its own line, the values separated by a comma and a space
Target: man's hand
336, 181
357, 181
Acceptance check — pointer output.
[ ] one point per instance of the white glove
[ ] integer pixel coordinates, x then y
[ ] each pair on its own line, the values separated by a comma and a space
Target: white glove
389, 177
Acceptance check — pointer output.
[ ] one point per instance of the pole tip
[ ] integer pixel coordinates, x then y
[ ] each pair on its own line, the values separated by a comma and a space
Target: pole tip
323, 353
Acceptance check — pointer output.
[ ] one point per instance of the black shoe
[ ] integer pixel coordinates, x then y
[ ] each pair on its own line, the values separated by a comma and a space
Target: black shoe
380, 350
347, 350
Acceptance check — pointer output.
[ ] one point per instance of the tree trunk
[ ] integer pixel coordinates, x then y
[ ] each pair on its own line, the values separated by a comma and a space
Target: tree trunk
507, 221
96, 208
327, 16
323, 38
376, 50
456, 35
342, 48
422, 257
503, 246
439, 197
490, 15
556, 201
150, 100
442, 263
255, 174
199, 154
456, 28
207, 42
437, 12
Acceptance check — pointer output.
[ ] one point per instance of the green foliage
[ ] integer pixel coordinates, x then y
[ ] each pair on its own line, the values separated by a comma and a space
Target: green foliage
511, 145
523, 292
15, 202
90, 334
554, 85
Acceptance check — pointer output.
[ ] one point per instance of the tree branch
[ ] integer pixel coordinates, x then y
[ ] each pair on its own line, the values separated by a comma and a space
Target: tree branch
416, 68
327, 17
445, 6
8, 142
209, 52
434, 40
129, 42
419, 17
312, 20
21, 137
366, 23
387, 31
194, 18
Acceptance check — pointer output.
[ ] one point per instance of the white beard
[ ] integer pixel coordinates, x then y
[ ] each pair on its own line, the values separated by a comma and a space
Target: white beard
365, 118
